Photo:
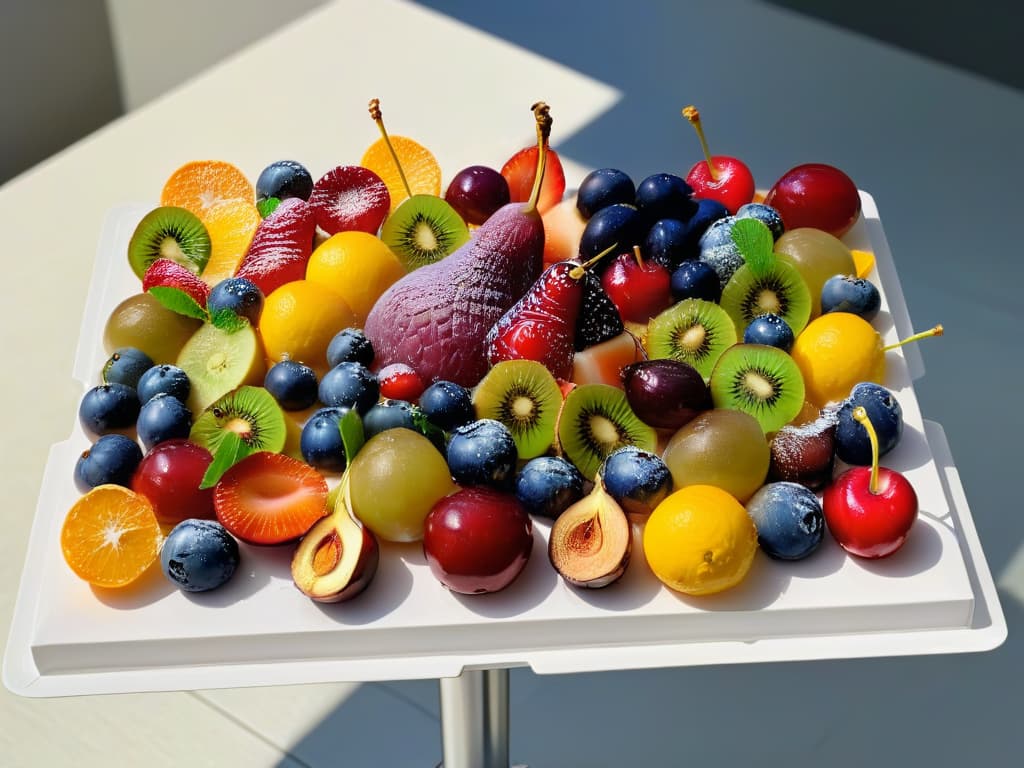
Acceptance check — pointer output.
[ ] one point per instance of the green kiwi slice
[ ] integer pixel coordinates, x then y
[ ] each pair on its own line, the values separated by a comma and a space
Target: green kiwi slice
595, 420
693, 331
169, 233
762, 381
240, 423
422, 230
779, 290
524, 396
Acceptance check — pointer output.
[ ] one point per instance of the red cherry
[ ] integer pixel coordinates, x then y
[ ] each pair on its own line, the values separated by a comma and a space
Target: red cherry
520, 171
639, 289
169, 476
816, 195
870, 524
719, 177
400, 381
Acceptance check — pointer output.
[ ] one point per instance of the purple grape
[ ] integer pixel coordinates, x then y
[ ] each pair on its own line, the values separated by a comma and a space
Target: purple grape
477, 192
665, 393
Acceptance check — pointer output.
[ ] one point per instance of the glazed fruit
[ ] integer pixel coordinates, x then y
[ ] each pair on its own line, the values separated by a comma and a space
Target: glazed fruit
483, 452
766, 215
281, 246
176, 288
293, 384
422, 230
817, 256
235, 298
519, 172
170, 476
299, 321
447, 404
476, 192
615, 228
836, 351
666, 243
664, 196
111, 460
638, 480
548, 485
217, 362
717, 249
407, 168
816, 195
349, 385
719, 177
399, 381
639, 288
231, 226
199, 555
321, 443
201, 184
598, 320
591, 542
107, 408
770, 330
695, 280
603, 363
804, 451
790, 524
665, 394
283, 179
350, 345
356, 266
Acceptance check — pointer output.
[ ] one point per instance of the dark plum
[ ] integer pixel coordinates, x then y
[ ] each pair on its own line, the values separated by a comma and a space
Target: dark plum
789, 520
292, 384
320, 442
108, 408
666, 394
164, 379
163, 417
604, 187
843, 293
617, 224
126, 366
638, 480
283, 179
766, 215
112, 459
350, 346
476, 192
770, 330
349, 385
695, 280
483, 452
447, 404
199, 555
886, 415
665, 196
548, 485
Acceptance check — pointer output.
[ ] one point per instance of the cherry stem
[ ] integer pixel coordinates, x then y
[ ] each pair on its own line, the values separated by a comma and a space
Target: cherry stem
861, 417
542, 114
691, 114
378, 118
936, 331
576, 273
638, 257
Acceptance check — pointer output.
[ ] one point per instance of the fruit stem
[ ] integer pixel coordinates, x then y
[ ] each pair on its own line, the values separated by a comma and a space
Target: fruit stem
861, 417
936, 331
378, 118
542, 114
638, 257
576, 273
691, 114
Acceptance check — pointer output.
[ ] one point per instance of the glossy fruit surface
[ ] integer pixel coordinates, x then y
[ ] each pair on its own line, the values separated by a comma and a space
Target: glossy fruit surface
201, 184
350, 345
293, 384
548, 485
418, 165
399, 381
167, 379
664, 196
169, 476
520, 171
237, 295
483, 452
867, 524
231, 226
817, 256
617, 225
447, 404
356, 266
477, 540
199, 555
695, 280
835, 352
770, 330
816, 195
766, 215
281, 246
665, 393
320, 442
143, 322
111, 460
845, 293
667, 243
163, 418
299, 321
126, 366
349, 385
476, 192
282, 179
853, 445
604, 187
107, 408
638, 480
639, 288
789, 521
804, 451
732, 183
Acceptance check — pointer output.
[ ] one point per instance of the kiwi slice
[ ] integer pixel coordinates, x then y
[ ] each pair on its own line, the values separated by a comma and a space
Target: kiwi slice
217, 362
779, 290
169, 233
422, 230
240, 423
693, 331
762, 381
595, 420
524, 396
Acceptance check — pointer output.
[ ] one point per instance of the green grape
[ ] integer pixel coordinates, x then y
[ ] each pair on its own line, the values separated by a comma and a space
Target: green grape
142, 322
817, 256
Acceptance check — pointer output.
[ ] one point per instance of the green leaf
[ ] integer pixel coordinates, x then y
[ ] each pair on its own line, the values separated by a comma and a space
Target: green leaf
428, 428
352, 435
755, 242
230, 451
267, 206
228, 321
178, 301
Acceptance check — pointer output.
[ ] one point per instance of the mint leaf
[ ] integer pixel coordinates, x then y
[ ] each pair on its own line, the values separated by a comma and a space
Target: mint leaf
428, 428
267, 206
228, 321
754, 240
230, 451
352, 435
178, 301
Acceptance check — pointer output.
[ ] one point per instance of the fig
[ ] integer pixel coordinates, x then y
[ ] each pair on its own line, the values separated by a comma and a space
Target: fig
590, 542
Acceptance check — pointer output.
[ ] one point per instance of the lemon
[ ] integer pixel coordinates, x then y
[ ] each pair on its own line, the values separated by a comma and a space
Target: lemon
299, 320
357, 266
836, 351
700, 540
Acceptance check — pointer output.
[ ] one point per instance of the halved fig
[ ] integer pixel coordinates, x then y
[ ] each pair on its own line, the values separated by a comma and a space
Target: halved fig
591, 541
337, 558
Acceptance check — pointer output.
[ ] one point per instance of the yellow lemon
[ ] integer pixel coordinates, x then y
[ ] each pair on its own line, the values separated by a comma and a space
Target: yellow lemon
357, 266
700, 540
836, 351
299, 320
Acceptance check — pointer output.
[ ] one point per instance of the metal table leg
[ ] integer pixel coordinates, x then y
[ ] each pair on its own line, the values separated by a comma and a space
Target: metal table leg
474, 719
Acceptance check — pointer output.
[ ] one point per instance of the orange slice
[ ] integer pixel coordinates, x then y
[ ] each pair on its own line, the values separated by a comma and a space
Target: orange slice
420, 166
231, 225
201, 184
110, 536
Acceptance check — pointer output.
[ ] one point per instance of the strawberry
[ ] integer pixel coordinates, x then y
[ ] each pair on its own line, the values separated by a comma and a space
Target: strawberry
281, 246
520, 171
350, 197
176, 288
270, 498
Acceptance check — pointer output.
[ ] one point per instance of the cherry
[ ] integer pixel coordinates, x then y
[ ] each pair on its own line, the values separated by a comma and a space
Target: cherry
639, 288
720, 177
400, 381
816, 195
169, 476
870, 510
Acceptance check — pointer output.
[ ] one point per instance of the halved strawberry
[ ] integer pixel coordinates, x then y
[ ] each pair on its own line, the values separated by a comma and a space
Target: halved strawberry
350, 197
270, 498
520, 171
176, 288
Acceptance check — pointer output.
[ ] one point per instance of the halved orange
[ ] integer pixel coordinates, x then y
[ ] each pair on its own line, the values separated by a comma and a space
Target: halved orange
421, 168
231, 225
201, 184
110, 536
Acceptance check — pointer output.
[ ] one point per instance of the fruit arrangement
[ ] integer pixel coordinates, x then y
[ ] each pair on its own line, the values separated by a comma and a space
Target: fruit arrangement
345, 364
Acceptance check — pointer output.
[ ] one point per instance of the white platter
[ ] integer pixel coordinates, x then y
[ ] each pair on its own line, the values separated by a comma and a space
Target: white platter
934, 596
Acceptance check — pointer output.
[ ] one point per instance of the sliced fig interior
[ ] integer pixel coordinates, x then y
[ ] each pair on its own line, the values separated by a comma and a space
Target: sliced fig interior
591, 541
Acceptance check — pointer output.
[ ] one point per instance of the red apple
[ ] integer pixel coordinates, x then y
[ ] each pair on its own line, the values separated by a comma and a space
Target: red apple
169, 476
816, 195
718, 177
477, 540
865, 523
639, 288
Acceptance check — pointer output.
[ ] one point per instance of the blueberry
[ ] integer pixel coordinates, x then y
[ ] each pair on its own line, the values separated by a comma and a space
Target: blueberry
389, 414
199, 555
665, 196
666, 243
771, 330
788, 518
320, 442
617, 225
604, 187
111, 459
126, 366
483, 453
885, 414
163, 418
718, 249
708, 212
765, 214
238, 296
695, 280
842, 293
548, 485
637, 479
292, 384
350, 346
283, 179
349, 385
447, 404
166, 379
107, 408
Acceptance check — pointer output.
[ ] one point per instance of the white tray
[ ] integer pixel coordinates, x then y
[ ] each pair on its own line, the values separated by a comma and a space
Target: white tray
934, 596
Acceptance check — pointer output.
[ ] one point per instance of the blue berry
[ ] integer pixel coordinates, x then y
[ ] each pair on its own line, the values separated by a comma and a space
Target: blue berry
389, 414
885, 414
238, 296
665, 196
163, 418
548, 485
111, 459
349, 385
718, 249
604, 187
483, 453
199, 555
666, 243
320, 442
695, 280
108, 408
842, 293
638, 480
164, 379
765, 214
126, 366
617, 224
447, 404
350, 346
283, 179
708, 212
292, 384
771, 330
789, 521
